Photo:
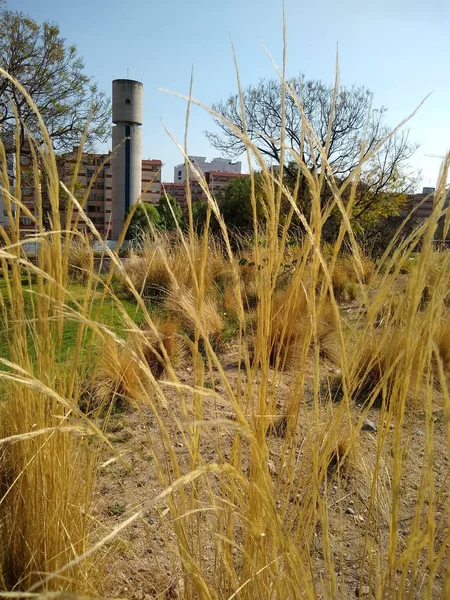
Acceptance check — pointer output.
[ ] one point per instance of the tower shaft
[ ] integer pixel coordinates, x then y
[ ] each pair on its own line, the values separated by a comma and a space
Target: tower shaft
126, 163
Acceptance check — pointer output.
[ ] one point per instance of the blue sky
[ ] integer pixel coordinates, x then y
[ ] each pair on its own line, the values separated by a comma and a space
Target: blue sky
397, 48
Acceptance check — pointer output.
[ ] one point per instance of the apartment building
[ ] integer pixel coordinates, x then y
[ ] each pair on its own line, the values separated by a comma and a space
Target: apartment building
94, 174
215, 180
151, 181
223, 165
27, 193
177, 190
94, 177
11, 173
423, 203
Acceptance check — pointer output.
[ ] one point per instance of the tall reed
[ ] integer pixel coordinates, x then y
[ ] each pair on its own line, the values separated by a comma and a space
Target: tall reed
257, 505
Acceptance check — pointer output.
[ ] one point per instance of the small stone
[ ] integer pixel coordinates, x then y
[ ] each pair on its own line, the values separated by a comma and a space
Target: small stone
368, 425
179, 445
362, 591
350, 511
272, 468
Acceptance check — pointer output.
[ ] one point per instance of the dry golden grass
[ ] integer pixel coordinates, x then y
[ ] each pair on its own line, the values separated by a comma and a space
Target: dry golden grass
291, 332
442, 340
117, 378
169, 338
341, 282
80, 259
148, 271
207, 317
251, 514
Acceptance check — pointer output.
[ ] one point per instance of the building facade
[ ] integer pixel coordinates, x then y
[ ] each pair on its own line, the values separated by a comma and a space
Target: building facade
422, 203
95, 178
27, 194
215, 180
223, 165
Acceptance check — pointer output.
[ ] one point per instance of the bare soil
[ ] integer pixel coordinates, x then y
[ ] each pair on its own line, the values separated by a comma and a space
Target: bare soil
142, 562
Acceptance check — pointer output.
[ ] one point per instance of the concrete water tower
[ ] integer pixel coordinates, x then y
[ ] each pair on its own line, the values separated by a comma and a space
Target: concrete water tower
126, 163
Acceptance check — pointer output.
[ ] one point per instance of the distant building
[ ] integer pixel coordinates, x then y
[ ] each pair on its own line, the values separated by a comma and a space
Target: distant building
95, 170
223, 165
215, 180
423, 203
27, 193
177, 190
11, 174
151, 181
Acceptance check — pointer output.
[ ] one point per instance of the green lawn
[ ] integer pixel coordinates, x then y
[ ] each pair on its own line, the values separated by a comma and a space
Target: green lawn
104, 310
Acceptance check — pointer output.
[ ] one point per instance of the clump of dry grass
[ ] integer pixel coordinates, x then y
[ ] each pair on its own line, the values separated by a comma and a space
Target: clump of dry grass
341, 282
118, 378
266, 523
163, 349
80, 259
287, 327
164, 259
442, 340
436, 278
230, 302
368, 270
207, 317
47, 468
148, 271
291, 327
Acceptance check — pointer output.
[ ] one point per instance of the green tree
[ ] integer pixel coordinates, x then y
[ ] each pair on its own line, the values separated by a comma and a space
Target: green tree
52, 73
199, 213
236, 205
144, 217
165, 213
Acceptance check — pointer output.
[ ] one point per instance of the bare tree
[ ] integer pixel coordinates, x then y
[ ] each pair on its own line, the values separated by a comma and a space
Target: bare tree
52, 73
354, 123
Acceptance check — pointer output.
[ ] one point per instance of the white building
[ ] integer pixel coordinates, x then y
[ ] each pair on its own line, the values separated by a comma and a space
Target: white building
218, 165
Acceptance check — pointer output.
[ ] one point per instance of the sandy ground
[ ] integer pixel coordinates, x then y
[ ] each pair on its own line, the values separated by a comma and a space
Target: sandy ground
142, 562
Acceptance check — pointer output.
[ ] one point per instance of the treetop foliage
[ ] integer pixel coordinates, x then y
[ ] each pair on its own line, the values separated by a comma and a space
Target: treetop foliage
52, 73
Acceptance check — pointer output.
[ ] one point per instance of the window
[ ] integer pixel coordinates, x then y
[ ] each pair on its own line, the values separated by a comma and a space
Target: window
25, 161
26, 220
127, 101
89, 173
26, 191
179, 174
